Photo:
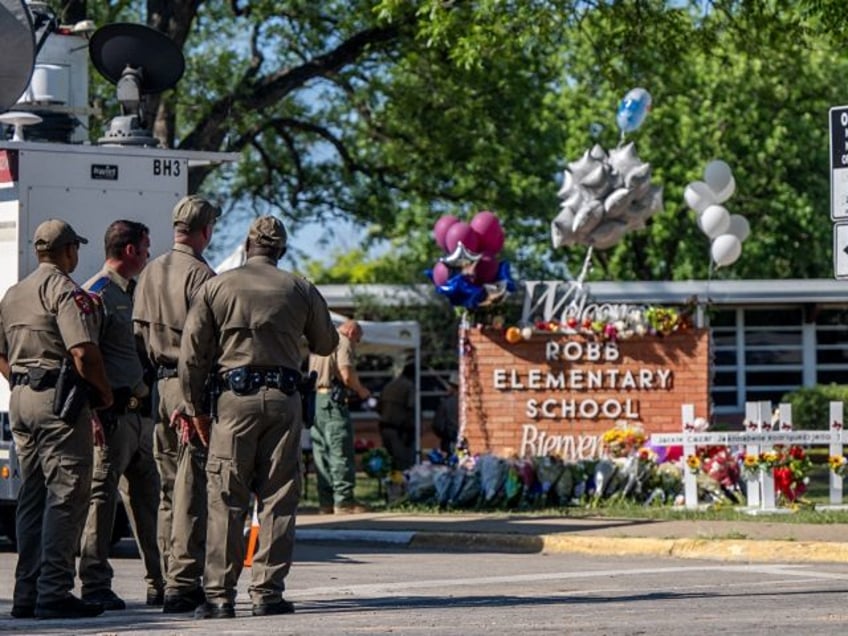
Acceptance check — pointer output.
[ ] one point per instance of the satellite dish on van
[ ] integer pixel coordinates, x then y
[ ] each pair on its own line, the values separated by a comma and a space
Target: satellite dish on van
140, 61
17, 51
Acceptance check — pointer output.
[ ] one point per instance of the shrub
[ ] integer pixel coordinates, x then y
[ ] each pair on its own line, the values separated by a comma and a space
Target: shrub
811, 405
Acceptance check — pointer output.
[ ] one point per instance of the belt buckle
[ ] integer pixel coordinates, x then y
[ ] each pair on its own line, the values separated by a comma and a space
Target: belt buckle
133, 403
274, 379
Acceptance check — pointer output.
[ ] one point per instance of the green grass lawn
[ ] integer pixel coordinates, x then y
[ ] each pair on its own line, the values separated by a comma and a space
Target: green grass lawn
371, 492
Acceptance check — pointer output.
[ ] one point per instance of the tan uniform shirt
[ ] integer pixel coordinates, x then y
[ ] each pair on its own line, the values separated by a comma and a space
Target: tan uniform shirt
120, 356
43, 316
397, 403
163, 295
254, 315
328, 367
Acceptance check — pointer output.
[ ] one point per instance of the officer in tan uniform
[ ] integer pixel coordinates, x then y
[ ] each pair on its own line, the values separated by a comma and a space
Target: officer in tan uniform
247, 324
332, 431
128, 445
46, 323
162, 298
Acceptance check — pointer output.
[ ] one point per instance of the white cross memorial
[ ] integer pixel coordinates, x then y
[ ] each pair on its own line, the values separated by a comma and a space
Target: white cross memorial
758, 436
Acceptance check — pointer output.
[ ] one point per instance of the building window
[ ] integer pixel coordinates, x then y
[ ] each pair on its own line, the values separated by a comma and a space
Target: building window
758, 354
832, 346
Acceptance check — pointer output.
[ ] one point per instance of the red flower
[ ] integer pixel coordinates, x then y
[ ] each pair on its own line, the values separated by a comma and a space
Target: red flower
785, 484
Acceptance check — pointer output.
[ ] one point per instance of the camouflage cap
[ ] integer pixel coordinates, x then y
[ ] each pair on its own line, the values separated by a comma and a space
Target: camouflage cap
267, 231
54, 233
195, 212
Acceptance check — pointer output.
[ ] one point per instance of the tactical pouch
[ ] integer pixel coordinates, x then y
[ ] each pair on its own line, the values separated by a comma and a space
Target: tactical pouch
71, 394
306, 387
338, 393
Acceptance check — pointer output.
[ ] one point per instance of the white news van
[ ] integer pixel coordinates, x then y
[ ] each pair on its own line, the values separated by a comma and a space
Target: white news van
88, 185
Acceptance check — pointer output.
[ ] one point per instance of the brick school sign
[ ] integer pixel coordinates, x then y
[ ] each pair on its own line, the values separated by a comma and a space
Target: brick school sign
558, 393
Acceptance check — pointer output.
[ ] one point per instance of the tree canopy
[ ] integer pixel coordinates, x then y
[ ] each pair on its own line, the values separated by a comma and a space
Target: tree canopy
394, 112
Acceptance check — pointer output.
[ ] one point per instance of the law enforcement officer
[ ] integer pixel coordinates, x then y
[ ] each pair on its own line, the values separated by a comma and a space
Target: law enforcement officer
247, 325
165, 290
128, 445
48, 329
397, 418
332, 431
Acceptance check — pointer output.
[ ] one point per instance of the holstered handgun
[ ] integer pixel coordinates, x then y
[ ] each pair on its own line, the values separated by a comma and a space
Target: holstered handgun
338, 392
211, 392
71, 393
306, 388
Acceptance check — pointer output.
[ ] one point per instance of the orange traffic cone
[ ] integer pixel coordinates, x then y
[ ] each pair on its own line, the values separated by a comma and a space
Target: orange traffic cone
253, 537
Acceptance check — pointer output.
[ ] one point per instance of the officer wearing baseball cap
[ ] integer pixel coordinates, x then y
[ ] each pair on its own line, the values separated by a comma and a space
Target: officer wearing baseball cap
194, 212
249, 323
46, 323
55, 233
164, 292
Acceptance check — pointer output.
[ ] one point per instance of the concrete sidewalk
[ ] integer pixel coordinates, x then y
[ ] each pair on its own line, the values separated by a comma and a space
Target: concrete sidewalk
763, 541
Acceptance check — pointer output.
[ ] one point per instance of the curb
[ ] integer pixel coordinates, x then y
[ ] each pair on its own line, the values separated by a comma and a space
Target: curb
731, 550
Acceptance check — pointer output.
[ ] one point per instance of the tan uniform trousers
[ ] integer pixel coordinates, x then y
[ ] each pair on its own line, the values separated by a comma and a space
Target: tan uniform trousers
128, 453
55, 459
254, 446
182, 470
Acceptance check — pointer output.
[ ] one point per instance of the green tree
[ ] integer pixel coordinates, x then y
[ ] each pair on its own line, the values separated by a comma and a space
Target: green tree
391, 113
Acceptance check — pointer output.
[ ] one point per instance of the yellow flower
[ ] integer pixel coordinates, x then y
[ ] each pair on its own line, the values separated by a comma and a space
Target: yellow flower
837, 463
694, 463
751, 461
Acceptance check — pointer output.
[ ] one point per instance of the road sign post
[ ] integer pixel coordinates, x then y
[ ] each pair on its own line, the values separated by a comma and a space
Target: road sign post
839, 188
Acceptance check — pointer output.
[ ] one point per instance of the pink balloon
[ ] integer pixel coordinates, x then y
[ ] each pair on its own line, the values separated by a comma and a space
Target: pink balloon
486, 269
441, 273
441, 228
491, 233
461, 231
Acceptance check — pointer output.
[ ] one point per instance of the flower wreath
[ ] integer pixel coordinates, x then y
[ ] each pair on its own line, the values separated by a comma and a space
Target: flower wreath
377, 463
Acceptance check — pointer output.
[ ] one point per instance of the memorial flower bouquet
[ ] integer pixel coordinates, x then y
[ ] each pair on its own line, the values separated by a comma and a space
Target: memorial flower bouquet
376, 463
623, 439
636, 322
837, 464
754, 464
791, 472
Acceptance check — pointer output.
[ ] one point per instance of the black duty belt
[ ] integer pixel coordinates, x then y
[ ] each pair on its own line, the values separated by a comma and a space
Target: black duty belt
166, 372
244, 380
124, 401
37, 378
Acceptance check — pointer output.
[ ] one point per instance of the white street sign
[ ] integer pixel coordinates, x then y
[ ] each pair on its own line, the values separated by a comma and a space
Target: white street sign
839, 163
840, 250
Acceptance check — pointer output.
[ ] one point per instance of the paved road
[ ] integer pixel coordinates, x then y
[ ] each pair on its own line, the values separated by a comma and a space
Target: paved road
385, 588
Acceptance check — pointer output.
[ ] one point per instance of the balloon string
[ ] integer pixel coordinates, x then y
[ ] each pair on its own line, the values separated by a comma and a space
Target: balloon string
586, 264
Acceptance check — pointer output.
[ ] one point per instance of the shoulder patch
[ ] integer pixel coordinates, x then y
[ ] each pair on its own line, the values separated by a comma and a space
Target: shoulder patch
99, 285
83, 301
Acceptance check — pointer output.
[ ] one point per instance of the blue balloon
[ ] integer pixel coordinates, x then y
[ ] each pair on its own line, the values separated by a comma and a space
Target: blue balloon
503, 274
462, 292
633, 109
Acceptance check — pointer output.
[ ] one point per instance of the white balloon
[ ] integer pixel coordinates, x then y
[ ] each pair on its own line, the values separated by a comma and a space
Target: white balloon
561, 234
567, 185
587, 217
728, 191
617, 203
638, 175
725, 250
699, 196
624, 159
607, 234
717, 175
739, 227
715, 220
